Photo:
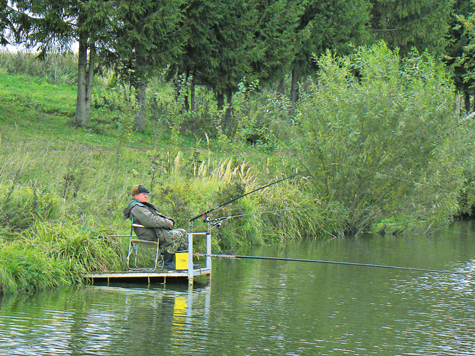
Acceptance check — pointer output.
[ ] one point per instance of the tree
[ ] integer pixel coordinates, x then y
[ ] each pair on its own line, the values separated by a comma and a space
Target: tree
236, 40
459, 40
404, 24
52, 25
462, 50
379, 137
147, 37
222, 46
328, 25
5, 21
277, 35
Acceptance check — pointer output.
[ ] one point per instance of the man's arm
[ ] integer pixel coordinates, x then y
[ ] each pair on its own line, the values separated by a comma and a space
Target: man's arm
145, 217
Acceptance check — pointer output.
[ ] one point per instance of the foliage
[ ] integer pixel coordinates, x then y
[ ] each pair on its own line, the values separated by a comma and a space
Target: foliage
465, 60
456, 55
331, 25
380, 138
421, 24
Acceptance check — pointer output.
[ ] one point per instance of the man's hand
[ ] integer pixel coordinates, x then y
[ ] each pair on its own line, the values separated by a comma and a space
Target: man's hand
171, 224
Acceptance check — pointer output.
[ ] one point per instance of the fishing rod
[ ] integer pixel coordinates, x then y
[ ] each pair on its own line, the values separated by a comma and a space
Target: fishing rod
333, 262
216, 222
205, 214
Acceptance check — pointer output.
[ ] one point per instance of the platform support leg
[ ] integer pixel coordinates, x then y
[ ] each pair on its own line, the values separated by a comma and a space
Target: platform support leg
190, 259
208, 250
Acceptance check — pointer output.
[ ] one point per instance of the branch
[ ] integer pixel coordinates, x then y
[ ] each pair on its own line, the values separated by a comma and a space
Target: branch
468, 117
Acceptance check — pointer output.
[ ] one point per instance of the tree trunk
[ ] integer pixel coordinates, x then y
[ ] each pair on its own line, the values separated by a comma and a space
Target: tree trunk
280, 88
185, 85
141, 102
220, 100
294, 87
226, 121
80, 115
90, 84
466, 97
192, 94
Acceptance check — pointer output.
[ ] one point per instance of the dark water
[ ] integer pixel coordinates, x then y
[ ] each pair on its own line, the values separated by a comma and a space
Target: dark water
262, 307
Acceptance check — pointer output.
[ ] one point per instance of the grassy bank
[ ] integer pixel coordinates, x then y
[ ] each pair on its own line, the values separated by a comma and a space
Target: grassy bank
62, 189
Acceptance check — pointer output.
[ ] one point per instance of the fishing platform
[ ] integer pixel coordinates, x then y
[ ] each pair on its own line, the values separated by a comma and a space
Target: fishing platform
184, 272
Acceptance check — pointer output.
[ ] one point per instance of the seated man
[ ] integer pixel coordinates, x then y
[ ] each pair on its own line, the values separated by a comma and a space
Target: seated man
156, 226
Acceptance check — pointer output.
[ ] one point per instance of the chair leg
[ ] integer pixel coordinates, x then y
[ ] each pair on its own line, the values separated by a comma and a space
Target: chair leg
129, 252
158, 259
157, 252
135, 257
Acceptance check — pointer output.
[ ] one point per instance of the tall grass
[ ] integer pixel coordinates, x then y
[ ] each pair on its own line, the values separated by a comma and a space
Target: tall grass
25, 269
55, 68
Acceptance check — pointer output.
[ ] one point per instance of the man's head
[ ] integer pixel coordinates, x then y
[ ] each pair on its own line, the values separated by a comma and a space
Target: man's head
139, 192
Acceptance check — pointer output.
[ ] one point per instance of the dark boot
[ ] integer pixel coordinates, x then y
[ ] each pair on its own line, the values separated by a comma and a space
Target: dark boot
168, 261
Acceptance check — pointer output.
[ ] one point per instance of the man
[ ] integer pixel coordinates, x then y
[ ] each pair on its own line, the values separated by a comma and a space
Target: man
156, 225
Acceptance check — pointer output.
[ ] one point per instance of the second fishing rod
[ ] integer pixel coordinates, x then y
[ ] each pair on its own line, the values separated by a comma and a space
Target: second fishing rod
209, 220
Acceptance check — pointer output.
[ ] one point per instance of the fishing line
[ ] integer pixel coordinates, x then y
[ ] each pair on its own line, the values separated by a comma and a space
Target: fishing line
334, 262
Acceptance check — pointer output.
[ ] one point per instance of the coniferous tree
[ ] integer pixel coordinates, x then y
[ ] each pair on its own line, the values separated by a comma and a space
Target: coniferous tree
461, 50
278, 37
329, 25
404, 24
236, 40
221, 47
147, 37
5, 22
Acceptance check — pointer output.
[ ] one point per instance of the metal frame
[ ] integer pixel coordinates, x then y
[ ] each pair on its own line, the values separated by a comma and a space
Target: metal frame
133, 243
206, 270
198, 272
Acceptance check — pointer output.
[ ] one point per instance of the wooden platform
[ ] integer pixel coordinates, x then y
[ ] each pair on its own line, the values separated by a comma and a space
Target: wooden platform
163, 275
147, 277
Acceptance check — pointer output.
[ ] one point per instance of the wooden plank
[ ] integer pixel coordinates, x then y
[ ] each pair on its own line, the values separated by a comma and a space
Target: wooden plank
142, 274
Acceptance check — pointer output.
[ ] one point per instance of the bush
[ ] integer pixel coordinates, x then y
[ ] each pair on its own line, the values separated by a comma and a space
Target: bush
381, 139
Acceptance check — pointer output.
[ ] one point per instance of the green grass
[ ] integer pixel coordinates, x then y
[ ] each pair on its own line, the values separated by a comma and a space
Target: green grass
62, 189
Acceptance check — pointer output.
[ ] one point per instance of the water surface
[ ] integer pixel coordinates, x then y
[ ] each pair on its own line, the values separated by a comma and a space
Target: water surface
265, 307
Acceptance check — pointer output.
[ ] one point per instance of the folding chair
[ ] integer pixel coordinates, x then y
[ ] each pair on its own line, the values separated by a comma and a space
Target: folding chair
134, 243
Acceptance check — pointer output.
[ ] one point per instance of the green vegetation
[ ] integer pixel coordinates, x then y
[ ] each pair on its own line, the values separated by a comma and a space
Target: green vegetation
375, 138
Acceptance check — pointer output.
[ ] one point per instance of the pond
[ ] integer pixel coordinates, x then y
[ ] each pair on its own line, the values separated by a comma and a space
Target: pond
267, 307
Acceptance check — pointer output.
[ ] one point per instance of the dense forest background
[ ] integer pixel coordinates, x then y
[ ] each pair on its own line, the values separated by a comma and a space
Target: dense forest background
368, 104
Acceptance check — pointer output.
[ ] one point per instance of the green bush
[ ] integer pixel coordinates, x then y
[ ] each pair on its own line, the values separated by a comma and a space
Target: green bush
381, 139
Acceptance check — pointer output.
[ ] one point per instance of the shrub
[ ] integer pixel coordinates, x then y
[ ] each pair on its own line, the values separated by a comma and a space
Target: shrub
380, 137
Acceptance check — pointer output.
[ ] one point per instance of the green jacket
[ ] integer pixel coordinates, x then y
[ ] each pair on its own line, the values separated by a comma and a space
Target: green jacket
155, 224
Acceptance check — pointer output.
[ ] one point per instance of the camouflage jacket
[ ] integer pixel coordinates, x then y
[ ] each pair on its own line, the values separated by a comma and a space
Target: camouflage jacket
155, 224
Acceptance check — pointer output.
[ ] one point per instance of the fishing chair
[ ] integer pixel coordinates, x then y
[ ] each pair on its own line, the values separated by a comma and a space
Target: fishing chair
134, 244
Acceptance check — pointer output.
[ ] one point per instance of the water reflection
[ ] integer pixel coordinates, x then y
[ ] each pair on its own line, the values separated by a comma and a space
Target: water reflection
101, 320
